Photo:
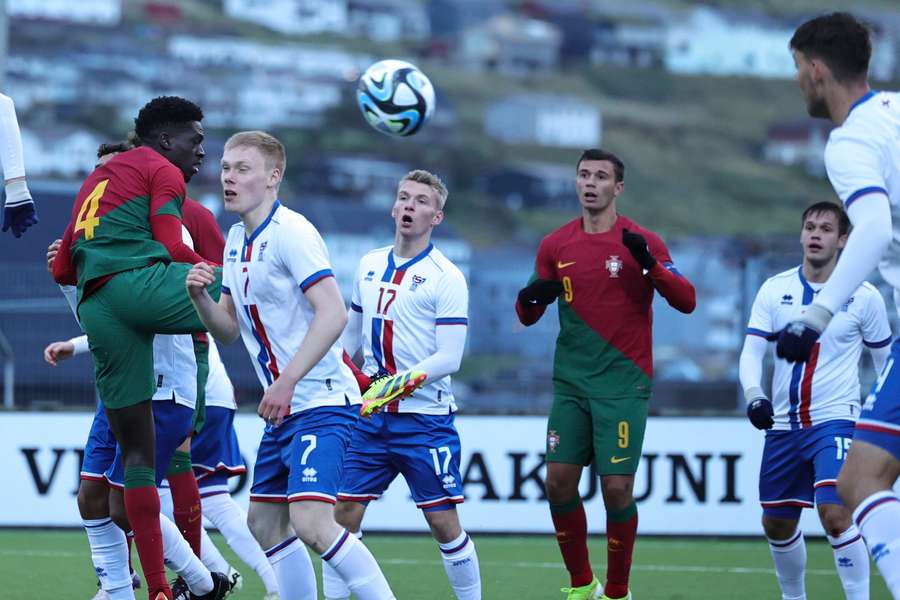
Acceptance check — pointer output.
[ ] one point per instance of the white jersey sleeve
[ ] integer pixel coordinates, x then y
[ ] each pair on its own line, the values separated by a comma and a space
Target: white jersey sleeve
305, 256
761, 321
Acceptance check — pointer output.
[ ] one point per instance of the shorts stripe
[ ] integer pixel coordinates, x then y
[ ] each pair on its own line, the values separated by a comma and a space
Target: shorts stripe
85, 476
219, 468
439, 501
268, 498
878, 426
789, 502
865, 512
825, 483
357, 497
315, 496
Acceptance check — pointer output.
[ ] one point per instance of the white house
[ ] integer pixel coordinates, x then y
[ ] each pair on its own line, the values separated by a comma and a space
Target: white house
544, 119
292, 16
94, 12
59, 152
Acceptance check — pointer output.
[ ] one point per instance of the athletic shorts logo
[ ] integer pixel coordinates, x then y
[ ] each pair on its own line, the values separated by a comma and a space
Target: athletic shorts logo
616, 459
614, 265
449, 481
562, 265
552, 440
310, 475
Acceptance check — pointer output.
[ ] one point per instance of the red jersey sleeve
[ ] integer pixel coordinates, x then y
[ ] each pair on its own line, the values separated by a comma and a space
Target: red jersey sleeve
167, 193
63, 268
544, 268
204, 229
672, 285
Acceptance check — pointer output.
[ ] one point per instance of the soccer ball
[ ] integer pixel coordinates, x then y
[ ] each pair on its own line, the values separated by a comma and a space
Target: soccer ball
395, 97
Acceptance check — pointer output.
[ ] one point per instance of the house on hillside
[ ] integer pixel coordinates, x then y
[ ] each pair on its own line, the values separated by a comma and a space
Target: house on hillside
353, 179
387, 20
291, 16
96, 12
629, 44
798, 142
60, 152
531, 185
545, 120
511, 44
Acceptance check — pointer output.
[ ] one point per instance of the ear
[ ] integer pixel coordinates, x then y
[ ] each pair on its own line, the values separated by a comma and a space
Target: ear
619, 187
165, 141
275, 177
842, 241
437, 218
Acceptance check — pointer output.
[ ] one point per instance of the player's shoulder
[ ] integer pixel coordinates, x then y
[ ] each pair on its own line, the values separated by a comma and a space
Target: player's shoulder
442, 263
235, 233
869, 293
780, 281
291, 225
142, 159
376, 253
633, 226
562, 233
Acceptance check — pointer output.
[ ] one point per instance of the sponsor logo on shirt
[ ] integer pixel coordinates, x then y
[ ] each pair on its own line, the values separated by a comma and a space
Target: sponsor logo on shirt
232, 256
369, 276
787, 299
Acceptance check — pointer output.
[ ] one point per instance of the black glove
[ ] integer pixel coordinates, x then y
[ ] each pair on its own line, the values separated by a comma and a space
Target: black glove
760, 413
637, 245
540, 291
19, 218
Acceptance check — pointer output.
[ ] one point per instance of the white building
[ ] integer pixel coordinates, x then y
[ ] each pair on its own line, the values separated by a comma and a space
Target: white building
61, 152
292, 16
545, 120
93, 12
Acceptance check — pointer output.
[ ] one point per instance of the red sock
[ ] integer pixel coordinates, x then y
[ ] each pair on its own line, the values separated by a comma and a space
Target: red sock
570, 523
186, 507
142, 507
621, 531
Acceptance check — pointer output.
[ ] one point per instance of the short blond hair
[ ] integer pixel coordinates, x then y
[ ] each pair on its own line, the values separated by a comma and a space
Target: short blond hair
267, 144
432, 181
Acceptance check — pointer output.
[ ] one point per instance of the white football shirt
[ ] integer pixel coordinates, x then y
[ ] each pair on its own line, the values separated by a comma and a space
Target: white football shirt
219, 390
402, 302
826, 387
863, 157
266, 273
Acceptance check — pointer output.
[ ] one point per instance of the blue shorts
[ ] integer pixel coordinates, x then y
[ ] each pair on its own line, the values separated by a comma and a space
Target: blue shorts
100, 449
173, 425
801, 466
879, 422
214, 484
425, 449
302, 458
215, 449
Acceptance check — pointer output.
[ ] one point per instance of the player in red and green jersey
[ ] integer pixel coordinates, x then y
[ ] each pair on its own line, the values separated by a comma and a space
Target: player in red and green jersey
604, 268
124, 251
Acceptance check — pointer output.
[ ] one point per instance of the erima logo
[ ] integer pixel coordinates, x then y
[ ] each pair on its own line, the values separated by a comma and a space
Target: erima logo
879, 551
232, 255
449, 481
262, 248
845, 562
787, 299
369, 276
101, 572
309, 475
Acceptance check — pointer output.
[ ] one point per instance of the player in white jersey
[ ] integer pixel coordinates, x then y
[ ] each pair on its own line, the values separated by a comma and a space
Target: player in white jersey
280, 296
816, 403
409, 312
19, 212
862, 159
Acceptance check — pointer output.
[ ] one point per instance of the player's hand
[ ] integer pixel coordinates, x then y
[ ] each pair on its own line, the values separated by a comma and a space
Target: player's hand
637, 246
58, 351
200, 276
761, 413
276, 403
52, 251
796, 341
540, 291
19, 217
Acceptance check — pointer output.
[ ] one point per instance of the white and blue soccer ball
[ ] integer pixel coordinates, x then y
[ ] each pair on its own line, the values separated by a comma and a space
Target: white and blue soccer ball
395, 97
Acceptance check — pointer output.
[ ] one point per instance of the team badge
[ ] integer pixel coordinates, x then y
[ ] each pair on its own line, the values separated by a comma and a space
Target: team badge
846, 306
417, 280
552, 440
614, 265
262, 248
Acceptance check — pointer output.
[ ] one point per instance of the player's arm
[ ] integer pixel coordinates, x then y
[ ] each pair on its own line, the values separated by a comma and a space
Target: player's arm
219, 318
750, 366
19, 212
451, 324
63, 268
542, 290
653, 256
204, 229
57, 351
876, 331
166, 193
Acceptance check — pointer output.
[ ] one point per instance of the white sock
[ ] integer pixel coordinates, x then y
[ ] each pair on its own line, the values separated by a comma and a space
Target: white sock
790, 565
293, 570
210, 555
166, 506
332, 584
852, 561
878, 518
461, 565
224, 513
109, 553
357, 567
181, 559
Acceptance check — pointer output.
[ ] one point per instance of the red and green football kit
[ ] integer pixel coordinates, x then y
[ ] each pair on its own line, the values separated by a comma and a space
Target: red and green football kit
603, 366
123, 248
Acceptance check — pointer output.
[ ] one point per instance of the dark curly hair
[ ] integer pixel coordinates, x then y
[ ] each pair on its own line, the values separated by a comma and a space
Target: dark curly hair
162, 112
114, 147
838, 39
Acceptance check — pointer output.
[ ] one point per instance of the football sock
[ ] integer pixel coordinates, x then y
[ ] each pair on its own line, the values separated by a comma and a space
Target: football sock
461, 565
185, 498
109, 553
332, 584
293, 570
621, 531
210, 555
357, 567
790, 565
224, 513
180, 558
165, 501
570, 523
852, 561
129, 538
878, 518
142, 507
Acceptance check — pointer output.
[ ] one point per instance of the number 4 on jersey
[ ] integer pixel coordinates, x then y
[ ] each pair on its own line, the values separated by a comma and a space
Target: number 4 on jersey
87, 219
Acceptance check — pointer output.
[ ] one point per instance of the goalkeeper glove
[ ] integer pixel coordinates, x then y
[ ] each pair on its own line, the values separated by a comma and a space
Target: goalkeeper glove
637, 246
389, 388
540, 291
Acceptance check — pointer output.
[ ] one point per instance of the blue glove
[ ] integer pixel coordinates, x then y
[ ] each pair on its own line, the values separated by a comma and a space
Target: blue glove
761, 414
796, 341
19, 217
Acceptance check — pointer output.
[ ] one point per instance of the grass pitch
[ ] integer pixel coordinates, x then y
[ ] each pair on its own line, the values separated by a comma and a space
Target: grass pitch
56, 564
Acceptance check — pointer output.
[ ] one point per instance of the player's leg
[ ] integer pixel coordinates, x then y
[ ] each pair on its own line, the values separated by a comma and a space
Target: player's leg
269, 518
210, 556
186, 510
872, 466
618, 430
830, 442
786, 481
317, 453
570, 447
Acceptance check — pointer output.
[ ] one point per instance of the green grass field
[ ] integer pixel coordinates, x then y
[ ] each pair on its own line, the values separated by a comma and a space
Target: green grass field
39, 564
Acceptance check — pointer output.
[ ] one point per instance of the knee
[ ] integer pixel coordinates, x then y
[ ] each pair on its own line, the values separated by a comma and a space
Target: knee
778, 529
617, 495
846, 489
560, 489
349, 515
118, 515
93, 501
835, 519
259, 527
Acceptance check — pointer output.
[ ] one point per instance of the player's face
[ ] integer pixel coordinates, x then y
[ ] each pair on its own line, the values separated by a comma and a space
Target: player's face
416, 209
246, 178
184, 149
809, 77
821, 238
596, 185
